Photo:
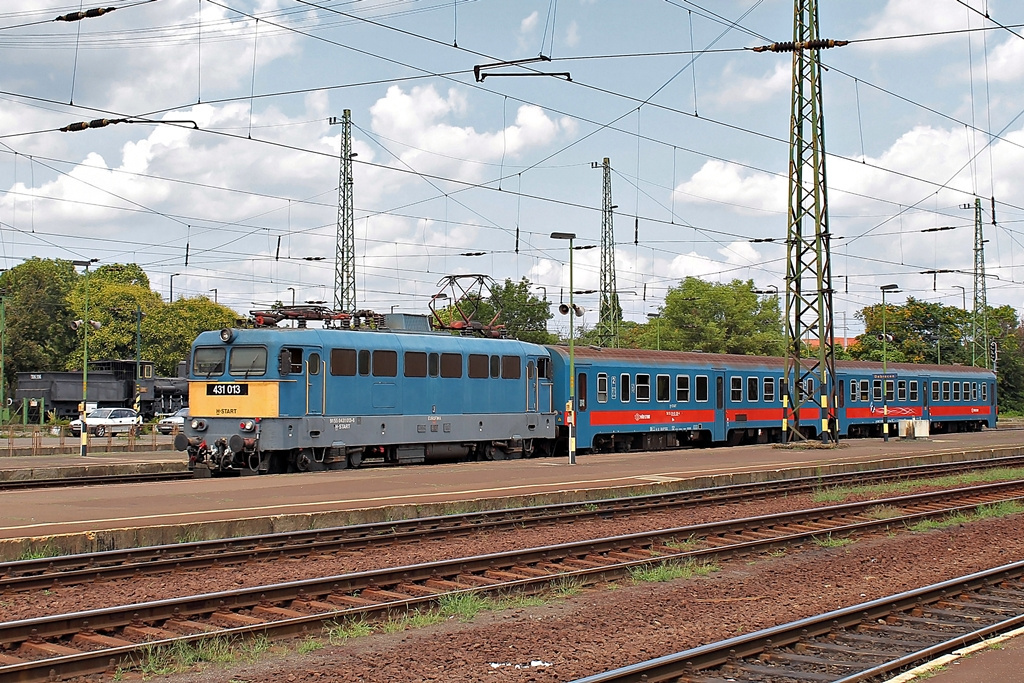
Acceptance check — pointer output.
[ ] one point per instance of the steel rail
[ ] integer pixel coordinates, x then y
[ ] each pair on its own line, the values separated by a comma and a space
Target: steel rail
21, 575
97, 480
301, 606
768, 644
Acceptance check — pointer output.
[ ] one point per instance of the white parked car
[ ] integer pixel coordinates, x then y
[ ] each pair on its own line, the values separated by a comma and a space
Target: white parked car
103, 421
173, 423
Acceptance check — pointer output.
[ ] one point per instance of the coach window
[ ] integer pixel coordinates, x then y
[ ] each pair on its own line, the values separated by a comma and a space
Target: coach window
512, 368
415, 364
974, 389
209, 361
945, 391
364, 362
602, 387
451, 365
889, 394
663, 388
864, 390
433, 364
935, 391
901, 390
682, 388
768, 386
735, 389
876, 390
643, 388
702, 388
914, 395
477, 366
752, 388
248, 361
343, 362
853, 390
624, 387
956, 391
385, 363
841, 394
984, 392
581, 391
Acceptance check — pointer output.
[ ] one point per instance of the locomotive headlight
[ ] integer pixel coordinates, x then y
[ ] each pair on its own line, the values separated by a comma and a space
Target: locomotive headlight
199, 425
247, 425
226, 335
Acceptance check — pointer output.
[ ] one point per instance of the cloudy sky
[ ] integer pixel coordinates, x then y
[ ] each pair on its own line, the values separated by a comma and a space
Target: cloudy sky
922, 113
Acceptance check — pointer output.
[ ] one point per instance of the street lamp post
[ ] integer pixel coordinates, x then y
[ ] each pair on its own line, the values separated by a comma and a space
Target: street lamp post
214, 290
963, 296
885, 377
570, 408
293, 295
170, 298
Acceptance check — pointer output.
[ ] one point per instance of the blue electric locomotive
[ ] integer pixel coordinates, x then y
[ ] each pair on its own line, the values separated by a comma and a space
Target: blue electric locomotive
282, 399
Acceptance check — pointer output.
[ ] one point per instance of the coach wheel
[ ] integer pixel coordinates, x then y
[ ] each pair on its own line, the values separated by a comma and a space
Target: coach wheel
100, 430
355, 459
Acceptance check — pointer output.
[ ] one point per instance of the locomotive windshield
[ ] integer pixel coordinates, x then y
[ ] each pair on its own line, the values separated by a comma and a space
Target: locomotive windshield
248, 361
209, 361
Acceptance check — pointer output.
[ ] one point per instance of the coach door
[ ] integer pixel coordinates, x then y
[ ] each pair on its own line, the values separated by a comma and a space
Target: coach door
718, 433
315, 369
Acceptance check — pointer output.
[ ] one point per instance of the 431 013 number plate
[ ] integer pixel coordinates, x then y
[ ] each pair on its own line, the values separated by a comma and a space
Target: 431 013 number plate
237, 389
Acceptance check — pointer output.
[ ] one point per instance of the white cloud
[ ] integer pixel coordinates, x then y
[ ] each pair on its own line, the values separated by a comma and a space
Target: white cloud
906, 17
1006, 63
753, 89
528, 24
743, 190
572, 34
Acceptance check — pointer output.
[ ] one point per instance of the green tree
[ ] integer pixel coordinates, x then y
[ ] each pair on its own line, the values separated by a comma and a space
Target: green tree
38, 315
718, 318
921, 332
170, 329
524, 315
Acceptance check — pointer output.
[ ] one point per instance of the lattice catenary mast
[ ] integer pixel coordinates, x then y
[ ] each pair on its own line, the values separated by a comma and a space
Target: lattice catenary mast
808, 269
345, 249
610, 312
979, 321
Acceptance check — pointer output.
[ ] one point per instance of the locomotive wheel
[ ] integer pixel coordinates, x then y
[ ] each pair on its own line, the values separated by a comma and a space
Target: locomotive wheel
100, 430
355, 459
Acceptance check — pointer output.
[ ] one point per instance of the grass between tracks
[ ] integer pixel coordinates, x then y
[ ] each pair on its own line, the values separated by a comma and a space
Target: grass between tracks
994, 511
841, 493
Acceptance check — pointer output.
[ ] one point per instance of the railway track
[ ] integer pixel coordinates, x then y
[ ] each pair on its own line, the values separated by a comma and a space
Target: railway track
67, 482
865, 642
67, 645
45, 572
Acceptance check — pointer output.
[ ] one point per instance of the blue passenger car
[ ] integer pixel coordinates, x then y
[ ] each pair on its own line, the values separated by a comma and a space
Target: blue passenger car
282, 399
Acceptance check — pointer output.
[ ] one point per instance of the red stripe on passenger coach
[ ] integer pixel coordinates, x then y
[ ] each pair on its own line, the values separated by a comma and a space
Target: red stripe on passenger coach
755, 415
636, 417
875, 411
945, 411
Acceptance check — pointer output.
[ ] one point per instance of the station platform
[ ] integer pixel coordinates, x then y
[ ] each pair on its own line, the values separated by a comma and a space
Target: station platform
91, 518
999, 660
55, 462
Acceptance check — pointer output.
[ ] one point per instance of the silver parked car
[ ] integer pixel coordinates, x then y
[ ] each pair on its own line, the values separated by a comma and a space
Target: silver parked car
103, 421
173, 423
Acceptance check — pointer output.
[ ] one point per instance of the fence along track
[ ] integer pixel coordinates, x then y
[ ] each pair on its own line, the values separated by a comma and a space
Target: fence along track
865, 642
87, 642
106, 565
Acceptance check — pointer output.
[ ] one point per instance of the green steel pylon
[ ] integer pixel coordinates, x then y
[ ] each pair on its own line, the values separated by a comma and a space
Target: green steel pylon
345, 247
610, 313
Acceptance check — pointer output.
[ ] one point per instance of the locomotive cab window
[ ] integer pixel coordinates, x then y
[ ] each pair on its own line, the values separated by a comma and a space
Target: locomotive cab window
495, 367
364, 362
248, 361
290, 362
433, 364
209, 361
544, 368
602, 387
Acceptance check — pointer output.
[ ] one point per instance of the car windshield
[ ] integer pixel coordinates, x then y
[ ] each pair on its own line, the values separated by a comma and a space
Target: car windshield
182, 412
102, 412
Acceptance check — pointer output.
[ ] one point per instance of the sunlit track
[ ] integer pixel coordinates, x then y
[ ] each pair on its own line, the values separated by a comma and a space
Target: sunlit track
866, 642
71, 569
69, 482
67, 645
